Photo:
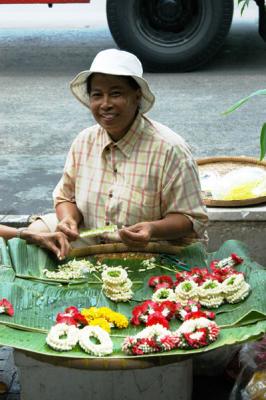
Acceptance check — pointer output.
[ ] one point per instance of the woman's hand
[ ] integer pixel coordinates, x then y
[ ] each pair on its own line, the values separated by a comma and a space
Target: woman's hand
172, 227
138, 235
56, 242
69, 227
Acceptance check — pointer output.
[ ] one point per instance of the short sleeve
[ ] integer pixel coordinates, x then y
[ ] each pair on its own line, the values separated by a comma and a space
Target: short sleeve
181, 191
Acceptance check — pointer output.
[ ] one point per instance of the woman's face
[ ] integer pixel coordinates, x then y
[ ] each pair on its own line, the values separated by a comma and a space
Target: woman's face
113, 103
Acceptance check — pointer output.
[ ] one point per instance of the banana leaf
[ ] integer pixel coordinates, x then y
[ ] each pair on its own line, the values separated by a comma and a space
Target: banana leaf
37, 300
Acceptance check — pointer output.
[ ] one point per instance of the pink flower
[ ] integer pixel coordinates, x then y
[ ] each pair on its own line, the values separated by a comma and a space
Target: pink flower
157, 318
162, 285
140, 313
168, 308
198, 275
170, 342
236, 258
66, 318
6, 307
154, 281
198, 314
71, 316
72, 310
201, 340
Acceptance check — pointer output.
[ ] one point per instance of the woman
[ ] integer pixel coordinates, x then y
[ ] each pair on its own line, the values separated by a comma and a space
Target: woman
127, 169
55, 242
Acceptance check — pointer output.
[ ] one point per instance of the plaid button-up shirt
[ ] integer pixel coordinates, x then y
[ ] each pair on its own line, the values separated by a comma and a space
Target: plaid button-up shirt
146, 175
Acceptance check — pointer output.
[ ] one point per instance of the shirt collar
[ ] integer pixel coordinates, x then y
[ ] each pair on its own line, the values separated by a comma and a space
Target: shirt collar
127, 143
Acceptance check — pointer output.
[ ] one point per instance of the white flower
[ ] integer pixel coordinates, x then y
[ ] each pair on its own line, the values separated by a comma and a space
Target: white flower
239, 295
153, 330
211, 301
105, 345
114, 275
210, 288
163, 294
56, 342
233, 283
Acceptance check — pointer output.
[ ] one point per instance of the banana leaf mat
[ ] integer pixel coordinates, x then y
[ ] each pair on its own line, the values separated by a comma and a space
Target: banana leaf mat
37, 300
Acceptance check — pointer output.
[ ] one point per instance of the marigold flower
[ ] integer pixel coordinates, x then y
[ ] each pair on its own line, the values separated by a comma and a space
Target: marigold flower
102, 323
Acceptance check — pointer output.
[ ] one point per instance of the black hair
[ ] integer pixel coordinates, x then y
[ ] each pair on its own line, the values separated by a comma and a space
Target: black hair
131, 81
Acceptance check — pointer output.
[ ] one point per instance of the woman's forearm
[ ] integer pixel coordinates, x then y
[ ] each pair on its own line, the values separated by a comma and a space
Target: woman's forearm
8, 232
67, 209
172, 227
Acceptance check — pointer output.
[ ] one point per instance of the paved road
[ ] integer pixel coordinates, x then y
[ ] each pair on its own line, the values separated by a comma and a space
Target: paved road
39, 117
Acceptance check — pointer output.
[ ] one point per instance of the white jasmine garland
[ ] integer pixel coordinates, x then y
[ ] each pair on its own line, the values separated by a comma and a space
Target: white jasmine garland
105, 345
119, 288
163, 294
211, 301
240, 294
74, 269
186, 290
54, 338
119, 297
191, 325
210, 288
156, 329
116, 284
114, 275
232, 284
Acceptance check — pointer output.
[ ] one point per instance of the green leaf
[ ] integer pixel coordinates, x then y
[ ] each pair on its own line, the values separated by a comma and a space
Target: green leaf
244, 5
37, 303
86, 233
263, 142
243, 101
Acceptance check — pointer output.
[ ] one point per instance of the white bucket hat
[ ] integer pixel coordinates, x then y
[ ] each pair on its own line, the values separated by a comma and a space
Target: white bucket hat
114, 62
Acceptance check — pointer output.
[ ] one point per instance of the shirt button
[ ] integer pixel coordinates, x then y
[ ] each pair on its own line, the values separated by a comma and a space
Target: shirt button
110, 195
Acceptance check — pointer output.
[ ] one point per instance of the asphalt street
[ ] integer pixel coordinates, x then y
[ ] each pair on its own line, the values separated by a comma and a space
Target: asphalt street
42, 49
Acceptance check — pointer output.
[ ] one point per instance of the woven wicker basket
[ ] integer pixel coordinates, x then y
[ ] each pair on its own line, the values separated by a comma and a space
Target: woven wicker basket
223, 165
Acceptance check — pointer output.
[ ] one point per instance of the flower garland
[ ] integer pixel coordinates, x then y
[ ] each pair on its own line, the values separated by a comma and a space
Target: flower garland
235, 288
116, 284
163, 281
197, 333
193, 309
210, 294
64, 337
103, 317
163, 294
152, 339
186, 290
6, 307
203, 286
55, 340
74, 269
193, 334
100, 349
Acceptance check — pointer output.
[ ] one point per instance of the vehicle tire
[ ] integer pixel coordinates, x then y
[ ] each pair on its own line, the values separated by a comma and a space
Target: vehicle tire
170, 35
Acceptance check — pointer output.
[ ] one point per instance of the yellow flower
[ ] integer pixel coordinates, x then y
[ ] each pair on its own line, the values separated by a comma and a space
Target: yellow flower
120, 321
102, 323
90, 313
104, 316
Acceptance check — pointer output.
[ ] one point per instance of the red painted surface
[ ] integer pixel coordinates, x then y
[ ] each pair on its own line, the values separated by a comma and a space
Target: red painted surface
41, 1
